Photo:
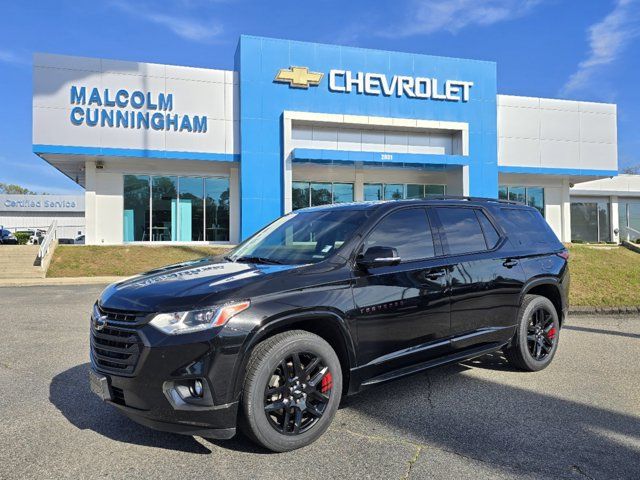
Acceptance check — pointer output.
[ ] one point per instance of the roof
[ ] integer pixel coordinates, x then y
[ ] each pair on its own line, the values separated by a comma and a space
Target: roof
374, 205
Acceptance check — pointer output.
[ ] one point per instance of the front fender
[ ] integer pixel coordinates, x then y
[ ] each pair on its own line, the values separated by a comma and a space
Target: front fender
290, 321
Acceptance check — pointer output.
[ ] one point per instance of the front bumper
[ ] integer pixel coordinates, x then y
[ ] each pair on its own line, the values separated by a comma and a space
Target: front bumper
154, 391
214, 421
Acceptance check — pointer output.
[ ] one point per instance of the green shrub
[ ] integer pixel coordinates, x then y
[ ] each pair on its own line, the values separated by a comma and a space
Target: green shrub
23, 237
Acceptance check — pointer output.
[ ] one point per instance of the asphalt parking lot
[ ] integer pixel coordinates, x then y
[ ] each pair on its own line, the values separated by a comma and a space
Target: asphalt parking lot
580, 418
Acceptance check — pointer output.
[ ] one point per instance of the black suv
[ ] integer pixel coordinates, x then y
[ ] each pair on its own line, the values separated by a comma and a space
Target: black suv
324, 302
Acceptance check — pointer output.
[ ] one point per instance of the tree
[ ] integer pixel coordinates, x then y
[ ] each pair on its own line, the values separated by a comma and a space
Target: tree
631, 169
10, 188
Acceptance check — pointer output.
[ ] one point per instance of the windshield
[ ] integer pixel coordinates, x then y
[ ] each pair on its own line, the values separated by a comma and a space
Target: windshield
301, 237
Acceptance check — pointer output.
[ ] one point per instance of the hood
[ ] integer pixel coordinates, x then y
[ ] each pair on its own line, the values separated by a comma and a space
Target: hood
185, 286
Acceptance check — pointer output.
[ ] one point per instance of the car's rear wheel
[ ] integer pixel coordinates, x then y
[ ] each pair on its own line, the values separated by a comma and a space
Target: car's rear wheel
537, 336
291, 391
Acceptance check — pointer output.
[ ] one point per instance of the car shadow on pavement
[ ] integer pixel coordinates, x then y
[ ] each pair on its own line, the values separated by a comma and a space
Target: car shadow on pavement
515, 430
492, 361
508, 428
69, 392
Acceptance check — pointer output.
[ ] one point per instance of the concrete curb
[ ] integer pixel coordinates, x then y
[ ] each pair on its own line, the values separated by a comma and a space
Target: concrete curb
35, 282
632, 310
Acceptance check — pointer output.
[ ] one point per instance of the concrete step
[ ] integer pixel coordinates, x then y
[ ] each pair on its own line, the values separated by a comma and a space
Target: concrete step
17, 253
16, 261
19, 248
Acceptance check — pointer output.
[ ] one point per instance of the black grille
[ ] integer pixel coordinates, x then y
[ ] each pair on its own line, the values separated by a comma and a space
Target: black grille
120, 315
115, 345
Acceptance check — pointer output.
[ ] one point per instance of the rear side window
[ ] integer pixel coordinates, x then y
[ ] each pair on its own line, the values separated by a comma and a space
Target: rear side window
527, 228
490, 233
407, 231
462, 231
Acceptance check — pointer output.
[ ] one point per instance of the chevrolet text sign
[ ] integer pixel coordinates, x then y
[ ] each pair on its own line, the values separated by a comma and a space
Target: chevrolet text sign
346, 81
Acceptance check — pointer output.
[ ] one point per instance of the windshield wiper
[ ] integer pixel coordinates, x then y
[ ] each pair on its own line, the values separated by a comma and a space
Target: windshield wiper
251, 259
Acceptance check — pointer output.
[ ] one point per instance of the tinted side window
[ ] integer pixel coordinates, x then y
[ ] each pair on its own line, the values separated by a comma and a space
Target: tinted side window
490, 233
527, 228
461, 230
407, 231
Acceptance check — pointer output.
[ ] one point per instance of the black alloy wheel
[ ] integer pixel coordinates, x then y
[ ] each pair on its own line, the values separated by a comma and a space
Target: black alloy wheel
537, 335
298, 393
292, 390
541, 333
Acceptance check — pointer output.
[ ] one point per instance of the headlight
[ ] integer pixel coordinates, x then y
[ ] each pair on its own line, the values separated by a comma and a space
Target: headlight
196, 320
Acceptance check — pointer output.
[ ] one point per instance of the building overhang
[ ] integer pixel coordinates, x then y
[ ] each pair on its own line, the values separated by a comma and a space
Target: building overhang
71, 160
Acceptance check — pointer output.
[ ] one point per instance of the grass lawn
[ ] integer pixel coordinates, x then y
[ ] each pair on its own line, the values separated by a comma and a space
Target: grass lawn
93, 261
599, 276
604, 277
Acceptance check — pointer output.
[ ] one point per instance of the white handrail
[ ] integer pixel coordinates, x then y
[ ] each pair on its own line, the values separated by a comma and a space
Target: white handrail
626, 233
47, 240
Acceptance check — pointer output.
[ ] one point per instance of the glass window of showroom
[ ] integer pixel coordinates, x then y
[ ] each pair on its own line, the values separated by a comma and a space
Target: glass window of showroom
173, 208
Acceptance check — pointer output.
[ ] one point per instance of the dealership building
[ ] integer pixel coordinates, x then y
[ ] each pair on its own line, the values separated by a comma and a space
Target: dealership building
179, 154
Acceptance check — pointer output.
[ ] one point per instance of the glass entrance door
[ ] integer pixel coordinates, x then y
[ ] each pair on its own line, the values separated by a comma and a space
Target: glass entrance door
629, 220
590, 222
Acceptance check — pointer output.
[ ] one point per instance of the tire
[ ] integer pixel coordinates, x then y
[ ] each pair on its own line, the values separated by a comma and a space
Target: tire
272, 364
533, 348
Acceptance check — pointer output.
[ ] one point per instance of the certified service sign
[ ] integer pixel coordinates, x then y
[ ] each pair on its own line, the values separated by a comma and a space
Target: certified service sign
42, 203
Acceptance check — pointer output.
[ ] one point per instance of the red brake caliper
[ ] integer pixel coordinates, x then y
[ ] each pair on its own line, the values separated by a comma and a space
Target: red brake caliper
551, 334
327, 383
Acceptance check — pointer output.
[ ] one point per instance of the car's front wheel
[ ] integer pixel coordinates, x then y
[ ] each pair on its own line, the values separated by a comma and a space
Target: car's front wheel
537, 335
292, 390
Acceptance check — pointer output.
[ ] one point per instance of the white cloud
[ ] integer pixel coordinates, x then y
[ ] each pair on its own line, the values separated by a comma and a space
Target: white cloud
194, 28
607, 40
430, 16
187, 28
8, 56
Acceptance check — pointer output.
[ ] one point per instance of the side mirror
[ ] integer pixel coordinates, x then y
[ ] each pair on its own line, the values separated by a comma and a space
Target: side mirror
378, 257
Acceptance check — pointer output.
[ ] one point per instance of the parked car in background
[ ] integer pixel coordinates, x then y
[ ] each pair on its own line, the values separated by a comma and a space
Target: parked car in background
36, 236
7, 238
322, 303
79, 240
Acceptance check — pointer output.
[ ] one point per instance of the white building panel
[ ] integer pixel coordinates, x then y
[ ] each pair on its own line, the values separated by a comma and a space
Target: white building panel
598, 127
560, 125
559, 154
519, 151
553, 133
206, 93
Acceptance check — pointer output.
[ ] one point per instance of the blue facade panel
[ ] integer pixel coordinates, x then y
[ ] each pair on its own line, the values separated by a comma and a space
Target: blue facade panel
263, 101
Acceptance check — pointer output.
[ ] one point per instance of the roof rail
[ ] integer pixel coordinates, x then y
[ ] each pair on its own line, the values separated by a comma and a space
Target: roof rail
472, 199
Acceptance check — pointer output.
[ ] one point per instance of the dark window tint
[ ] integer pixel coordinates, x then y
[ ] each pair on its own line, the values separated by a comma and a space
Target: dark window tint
461, 230
490, 233
407, 231
527, 228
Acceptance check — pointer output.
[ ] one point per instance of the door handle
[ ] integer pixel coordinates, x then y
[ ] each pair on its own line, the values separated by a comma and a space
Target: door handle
510, 263
435, 274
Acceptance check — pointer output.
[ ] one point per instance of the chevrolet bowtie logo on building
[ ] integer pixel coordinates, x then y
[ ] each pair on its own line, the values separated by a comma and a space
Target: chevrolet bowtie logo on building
299, 77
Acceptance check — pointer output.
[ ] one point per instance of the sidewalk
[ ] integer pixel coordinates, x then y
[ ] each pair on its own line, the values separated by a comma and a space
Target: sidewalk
31, 282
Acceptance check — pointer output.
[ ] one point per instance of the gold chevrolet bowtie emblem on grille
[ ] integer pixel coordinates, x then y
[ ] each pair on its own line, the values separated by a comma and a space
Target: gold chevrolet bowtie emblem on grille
299, 77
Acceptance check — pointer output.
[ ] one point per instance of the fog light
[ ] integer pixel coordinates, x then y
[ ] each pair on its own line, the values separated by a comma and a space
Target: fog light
196, 389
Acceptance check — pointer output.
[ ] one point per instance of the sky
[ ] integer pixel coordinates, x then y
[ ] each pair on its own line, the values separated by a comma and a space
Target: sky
572, 49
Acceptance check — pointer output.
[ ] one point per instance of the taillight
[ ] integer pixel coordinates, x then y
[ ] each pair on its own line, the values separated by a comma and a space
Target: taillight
564, 254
